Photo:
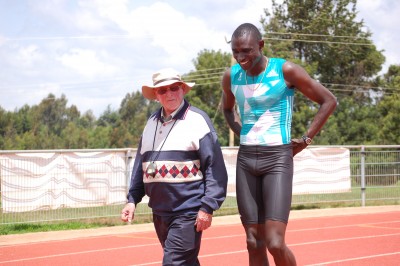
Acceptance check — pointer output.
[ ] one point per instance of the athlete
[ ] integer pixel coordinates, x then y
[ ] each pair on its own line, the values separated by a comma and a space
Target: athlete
263, 89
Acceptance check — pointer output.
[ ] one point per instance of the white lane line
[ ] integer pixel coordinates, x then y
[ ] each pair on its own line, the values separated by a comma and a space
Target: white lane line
207, 238
201, 256
78, 253
306, 243
356, 258
342, 239
348, 225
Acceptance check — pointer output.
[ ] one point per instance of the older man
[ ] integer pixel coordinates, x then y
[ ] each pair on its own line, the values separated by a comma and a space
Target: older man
179, 165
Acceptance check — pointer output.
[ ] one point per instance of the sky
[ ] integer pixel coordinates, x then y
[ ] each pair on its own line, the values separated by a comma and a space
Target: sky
96, 51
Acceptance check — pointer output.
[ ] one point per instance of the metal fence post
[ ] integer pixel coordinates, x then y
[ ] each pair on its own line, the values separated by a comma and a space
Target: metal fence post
127, 170
363, 188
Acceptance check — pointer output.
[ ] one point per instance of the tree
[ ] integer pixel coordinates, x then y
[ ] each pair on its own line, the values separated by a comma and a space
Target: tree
52, 113
324, 37
108, 118
74, 137
389, 107
23, 120
321, 35
99, 137
134, 111
5, 120
207, 93
324, 33
87, 120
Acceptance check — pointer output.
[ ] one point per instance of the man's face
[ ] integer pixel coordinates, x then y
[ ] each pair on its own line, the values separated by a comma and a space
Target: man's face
170, 97
246, 49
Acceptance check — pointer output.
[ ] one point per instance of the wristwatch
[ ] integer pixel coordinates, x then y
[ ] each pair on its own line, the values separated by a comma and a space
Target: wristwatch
307, 140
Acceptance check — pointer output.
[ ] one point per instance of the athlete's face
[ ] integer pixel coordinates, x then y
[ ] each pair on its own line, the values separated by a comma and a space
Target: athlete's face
247, 50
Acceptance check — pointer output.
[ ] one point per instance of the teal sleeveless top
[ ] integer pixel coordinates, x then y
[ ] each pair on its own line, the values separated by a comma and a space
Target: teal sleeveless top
265, 105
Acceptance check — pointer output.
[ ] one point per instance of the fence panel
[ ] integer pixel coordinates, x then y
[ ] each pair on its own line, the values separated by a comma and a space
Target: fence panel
59, 185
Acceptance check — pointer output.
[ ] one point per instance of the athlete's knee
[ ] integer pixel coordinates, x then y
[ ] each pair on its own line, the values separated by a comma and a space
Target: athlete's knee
251, 243
276, 247
254, 245
275, 237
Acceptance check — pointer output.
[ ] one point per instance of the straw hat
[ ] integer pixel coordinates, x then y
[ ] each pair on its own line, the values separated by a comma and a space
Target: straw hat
165, 77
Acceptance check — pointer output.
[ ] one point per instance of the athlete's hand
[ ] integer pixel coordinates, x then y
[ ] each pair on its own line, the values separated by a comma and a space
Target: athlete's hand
127, 212
298, 145
203, 221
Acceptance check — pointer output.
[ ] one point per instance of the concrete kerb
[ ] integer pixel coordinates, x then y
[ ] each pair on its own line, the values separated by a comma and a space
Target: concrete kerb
220, 220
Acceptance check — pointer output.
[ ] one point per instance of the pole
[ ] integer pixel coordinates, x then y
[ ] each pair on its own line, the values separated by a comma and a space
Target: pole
363, 188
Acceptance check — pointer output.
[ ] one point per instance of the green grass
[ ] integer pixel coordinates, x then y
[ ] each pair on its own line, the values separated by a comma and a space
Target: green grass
32, 228
108, 216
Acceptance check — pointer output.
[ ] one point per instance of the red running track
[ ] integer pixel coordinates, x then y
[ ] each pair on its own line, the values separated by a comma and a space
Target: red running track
367, 238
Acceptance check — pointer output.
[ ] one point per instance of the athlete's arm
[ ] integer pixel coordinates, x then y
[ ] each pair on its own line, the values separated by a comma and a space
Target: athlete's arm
228, 104
296, 77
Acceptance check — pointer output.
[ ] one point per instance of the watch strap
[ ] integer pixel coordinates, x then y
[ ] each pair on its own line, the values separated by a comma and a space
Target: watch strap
307, 140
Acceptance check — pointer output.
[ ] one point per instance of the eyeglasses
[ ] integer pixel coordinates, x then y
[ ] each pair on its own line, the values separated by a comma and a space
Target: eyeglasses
163, 91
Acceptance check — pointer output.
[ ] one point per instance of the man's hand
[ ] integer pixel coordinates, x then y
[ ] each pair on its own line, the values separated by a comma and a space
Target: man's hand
203, 221
127, 212
298, 145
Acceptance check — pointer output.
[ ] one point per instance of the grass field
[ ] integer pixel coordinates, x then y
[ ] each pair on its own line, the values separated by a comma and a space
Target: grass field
105, 216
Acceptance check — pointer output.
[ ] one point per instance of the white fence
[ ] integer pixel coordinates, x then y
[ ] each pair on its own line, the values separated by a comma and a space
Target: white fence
316, 170
51, 180
37, 181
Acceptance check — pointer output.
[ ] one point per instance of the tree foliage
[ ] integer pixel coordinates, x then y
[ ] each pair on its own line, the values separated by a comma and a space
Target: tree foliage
323, 36
389, 107
207, 93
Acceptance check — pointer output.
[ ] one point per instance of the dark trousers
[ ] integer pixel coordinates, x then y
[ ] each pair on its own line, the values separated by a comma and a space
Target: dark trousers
179, 239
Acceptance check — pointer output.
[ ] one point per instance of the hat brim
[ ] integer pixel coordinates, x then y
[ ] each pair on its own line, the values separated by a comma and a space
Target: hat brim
149, 91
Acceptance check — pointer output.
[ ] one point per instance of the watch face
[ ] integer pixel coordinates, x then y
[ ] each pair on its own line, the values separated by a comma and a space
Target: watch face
307, 140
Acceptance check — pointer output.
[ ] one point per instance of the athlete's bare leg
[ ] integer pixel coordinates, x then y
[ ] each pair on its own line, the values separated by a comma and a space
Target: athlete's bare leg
275, 240
256, 246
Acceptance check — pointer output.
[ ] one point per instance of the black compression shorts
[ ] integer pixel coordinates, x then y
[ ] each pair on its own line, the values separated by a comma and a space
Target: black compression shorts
264, 176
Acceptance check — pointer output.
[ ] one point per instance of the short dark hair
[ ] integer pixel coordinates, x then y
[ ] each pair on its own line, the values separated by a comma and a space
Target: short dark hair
246, 28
